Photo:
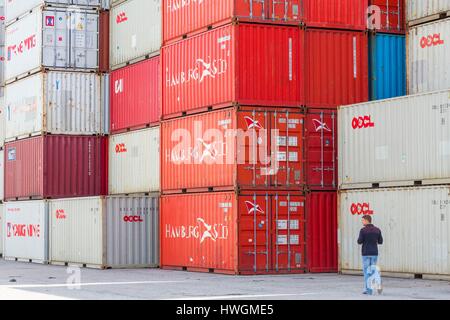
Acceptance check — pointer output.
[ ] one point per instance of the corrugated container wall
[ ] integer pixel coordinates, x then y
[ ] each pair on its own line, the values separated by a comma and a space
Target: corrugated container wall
57, 103
104, 40
337, 71
57, 38
2, 174
17, 8
135, 100
423, 11
395, 142
135, 31
2, 121
56, 167
134, 162
321, 153
388, 16
229, 149
188, 18
116, 232
322, 232
2, 227
246, 64
416, 227
428, 58
249, 233
387, 66
26, 231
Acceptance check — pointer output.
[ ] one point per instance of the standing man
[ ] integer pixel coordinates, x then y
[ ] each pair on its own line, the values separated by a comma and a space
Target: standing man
370, 237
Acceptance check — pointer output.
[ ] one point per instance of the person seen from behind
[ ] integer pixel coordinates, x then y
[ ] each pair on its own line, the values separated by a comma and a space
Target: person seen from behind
370, 237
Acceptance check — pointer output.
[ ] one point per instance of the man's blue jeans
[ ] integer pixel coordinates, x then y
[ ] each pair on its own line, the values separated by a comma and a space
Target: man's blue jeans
371, 272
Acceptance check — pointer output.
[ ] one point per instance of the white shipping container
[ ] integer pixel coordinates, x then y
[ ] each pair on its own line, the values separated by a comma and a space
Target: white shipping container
134, 162
420, 10
26, 231
57, 103
17, 8
59, 38
395, 142
2, 234
135, 31
2, 121
113, 232
428, 57
2, 23
415, 223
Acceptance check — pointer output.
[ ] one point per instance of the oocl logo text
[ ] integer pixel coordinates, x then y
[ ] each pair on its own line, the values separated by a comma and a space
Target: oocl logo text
431, 41
201, 70
363, 122
133, 219
361, 209
121, 148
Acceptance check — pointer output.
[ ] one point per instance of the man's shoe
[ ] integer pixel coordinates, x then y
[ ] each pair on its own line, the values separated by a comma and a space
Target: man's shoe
365, 292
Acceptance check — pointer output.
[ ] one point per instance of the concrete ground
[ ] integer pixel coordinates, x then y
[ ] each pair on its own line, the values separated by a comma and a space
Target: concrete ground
31, 281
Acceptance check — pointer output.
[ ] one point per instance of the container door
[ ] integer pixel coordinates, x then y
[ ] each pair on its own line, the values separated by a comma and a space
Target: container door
253, 9
253, 149
56, 39
84, 40
287, 135
288, 233
254, 233
321, 149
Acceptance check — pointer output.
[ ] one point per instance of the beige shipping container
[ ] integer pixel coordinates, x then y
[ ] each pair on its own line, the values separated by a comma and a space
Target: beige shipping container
112, 232
421, 11
395, 142
428, 57
55, 102
415, 223
134, 162
135, 31
2, 121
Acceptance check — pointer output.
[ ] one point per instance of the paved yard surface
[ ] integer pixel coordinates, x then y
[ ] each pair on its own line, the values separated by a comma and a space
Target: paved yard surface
30, 281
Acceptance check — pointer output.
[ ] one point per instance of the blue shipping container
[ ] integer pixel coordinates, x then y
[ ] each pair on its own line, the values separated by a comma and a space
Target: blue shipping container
387, 66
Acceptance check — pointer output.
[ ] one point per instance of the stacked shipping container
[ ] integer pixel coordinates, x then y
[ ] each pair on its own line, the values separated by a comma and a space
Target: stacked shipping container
54, 117
395, 157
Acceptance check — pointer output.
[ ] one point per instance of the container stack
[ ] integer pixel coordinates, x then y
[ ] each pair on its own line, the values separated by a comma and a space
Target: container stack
395, 159
337, 73
232, 137
134, 81
387, 49
55, 120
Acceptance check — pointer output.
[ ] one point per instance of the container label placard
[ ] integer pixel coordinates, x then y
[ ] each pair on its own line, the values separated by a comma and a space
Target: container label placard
283, 240
283, 225
12, 154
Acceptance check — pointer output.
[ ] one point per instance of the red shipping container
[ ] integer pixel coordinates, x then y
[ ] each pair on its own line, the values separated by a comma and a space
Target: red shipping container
322, 232
188, 18
50, 167
104, 42
337, 68
245, 64
231, 149
249, 233
389, 16
340, 14
321, 149
135, 101
182, 19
